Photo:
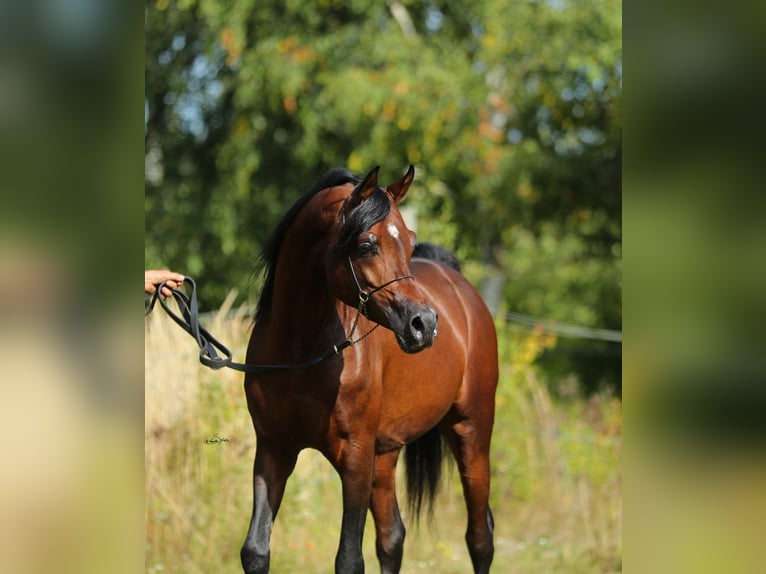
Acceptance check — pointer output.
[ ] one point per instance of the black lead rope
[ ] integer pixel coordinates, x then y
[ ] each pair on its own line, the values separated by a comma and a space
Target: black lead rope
210, 347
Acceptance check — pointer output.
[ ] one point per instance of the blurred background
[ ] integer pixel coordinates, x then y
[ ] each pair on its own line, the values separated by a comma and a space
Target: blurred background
511, 113
75, 485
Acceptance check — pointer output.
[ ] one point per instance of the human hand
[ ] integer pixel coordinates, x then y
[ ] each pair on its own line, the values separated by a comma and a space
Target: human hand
154, 277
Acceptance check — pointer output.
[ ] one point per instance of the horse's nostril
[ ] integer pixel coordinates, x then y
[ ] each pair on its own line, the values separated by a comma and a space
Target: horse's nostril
417, 324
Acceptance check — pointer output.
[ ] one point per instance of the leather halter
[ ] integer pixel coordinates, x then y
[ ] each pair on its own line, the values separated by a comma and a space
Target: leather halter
364, 296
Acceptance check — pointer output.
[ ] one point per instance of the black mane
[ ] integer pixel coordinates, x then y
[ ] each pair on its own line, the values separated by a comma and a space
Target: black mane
267, 260
359, 220
436, 253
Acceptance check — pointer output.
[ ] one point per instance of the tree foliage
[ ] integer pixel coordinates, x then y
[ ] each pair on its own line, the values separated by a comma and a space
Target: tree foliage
510, 111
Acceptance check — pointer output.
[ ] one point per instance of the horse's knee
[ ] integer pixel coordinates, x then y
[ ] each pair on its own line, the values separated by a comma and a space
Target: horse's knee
395, 542
390, 548
254, 560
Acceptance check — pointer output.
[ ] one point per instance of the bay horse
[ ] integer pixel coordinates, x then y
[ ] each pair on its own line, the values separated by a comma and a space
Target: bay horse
337, 266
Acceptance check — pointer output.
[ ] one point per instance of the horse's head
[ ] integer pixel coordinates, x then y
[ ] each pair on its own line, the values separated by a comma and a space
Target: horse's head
370, 259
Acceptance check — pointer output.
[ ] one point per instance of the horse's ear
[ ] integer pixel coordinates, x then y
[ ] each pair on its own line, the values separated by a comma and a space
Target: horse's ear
362, 192
399, 188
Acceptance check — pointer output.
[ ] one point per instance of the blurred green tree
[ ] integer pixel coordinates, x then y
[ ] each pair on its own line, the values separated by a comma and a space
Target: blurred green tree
510, 111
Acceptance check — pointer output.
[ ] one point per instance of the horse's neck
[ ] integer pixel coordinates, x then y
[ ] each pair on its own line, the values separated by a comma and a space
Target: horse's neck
304, 311
299, 296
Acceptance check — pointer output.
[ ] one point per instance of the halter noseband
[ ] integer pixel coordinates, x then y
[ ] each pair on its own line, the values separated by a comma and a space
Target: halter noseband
364, 296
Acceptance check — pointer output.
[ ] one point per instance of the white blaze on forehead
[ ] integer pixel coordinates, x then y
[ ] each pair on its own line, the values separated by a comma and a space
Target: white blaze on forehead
393, 230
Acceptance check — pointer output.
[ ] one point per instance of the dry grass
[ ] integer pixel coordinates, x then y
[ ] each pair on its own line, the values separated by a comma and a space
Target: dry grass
556, 491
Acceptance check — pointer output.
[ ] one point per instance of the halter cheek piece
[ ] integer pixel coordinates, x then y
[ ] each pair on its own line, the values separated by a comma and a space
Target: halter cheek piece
209, 346
364, 296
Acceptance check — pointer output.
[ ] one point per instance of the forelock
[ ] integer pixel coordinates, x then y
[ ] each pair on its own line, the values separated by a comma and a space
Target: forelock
371, 211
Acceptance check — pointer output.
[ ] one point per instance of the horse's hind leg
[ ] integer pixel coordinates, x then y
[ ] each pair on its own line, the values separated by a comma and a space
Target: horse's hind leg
389, 527
271, 469
469, 440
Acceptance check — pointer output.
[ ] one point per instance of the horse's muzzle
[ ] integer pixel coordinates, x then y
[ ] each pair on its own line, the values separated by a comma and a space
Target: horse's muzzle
419, 330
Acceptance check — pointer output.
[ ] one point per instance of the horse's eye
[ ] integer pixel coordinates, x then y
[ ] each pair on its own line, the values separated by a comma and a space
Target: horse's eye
366, 249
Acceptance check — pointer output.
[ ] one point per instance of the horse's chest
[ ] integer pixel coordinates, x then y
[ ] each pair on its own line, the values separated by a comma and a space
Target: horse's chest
297, 411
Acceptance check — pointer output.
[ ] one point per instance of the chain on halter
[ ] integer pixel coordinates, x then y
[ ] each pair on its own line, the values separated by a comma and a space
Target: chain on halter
364, 296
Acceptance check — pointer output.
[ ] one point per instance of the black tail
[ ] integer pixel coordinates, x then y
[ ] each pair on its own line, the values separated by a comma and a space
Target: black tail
423, 466
436, 253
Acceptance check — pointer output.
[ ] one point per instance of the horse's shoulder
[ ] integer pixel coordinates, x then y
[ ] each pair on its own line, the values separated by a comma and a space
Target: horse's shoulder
441, 280
448, 287
428, 270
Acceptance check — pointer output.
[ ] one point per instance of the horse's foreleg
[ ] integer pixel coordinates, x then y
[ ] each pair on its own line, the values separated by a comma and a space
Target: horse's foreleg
270, 471
389, 528
469, 441
356, 470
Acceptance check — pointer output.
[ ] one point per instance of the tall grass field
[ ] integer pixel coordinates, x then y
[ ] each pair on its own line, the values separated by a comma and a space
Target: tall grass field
556, 472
